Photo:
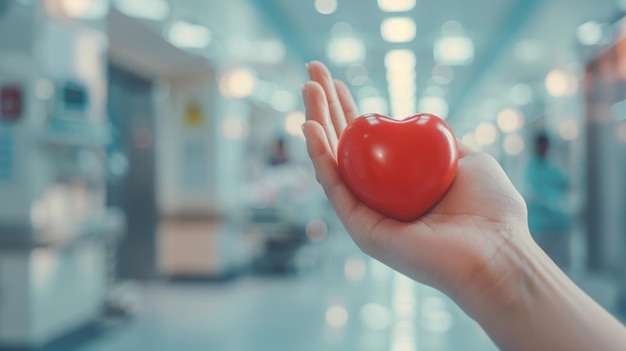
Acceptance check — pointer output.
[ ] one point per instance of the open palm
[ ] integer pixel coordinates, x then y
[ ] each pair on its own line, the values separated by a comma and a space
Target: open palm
458, 245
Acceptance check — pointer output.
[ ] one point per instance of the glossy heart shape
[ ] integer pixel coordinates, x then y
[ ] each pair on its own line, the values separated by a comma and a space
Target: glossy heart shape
398, 168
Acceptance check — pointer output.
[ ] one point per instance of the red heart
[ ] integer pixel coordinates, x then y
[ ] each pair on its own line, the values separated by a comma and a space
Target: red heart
399, 168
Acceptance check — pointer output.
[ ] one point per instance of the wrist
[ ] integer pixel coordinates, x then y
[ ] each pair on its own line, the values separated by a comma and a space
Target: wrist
530, 304
505, 282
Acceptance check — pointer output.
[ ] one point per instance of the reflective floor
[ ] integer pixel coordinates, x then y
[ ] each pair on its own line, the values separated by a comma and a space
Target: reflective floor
342, 301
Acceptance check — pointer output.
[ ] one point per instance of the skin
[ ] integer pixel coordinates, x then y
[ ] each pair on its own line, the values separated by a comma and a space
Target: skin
474, 245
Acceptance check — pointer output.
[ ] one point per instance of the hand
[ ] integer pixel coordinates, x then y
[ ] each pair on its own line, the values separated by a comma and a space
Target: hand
463, 246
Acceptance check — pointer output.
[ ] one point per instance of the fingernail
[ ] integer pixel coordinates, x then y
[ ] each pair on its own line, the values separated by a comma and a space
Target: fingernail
302, 87
307, 66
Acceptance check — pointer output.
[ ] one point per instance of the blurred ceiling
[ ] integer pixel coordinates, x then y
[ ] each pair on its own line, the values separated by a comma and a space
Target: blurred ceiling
514, 41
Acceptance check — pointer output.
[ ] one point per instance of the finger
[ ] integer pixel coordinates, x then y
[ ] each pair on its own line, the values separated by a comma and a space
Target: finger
350, 110
317, 110
319, 73
357, 217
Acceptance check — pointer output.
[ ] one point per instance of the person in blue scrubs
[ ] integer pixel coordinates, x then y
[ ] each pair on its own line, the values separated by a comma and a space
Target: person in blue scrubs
548, 218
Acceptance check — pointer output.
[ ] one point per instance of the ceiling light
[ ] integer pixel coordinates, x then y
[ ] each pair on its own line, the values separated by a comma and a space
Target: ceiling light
399, 94
435, 105
156, 10
510, 120
188, 35
469, 139
336, 316
355, 268
401, 79
373, 104
443, 74
396, 5
238, 84
401, 112
452, 51
346, 50
340, 30
326, 7
452, 28
357, 74
560, 83
568, 129
400, 60
486, 134
293, 123
513, 144
590, 33
398, 29
85, 9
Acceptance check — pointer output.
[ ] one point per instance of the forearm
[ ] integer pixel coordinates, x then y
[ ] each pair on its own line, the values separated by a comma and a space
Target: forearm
537, 307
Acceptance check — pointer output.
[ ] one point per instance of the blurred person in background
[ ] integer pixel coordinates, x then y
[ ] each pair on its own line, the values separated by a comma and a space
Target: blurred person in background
547, 191
279, 155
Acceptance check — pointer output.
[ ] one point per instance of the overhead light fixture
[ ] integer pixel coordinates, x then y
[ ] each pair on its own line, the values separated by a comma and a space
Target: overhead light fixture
398, 29
469, 139
357, 75
513, 144
510, 120
401, 80
443, 75
396, 5
486, 134
401, 76
590, 33
188, 35
156, 10
373, 104
454, 51
400, 60
346, 50
435, 105
569, 129
341, 30
452, 28
85, 9
238, 83
326, 7
560, 83
293, 123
